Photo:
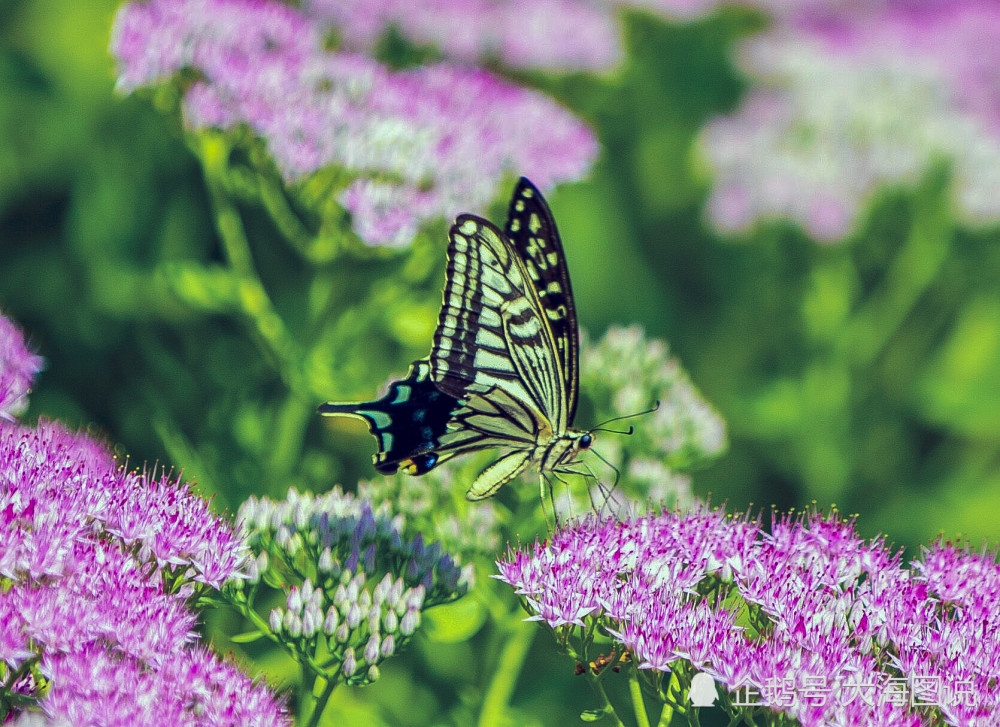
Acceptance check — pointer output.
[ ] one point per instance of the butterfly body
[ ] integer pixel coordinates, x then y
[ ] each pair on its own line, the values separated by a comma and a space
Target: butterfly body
502, 372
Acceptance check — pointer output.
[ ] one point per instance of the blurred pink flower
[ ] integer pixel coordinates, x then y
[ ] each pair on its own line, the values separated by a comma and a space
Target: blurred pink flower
556, 35
851, 97
424, 143
552, 34
18, 366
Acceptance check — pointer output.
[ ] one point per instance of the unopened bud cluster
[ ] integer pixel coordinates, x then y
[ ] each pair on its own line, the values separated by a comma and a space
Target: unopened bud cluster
467, 529
355, 585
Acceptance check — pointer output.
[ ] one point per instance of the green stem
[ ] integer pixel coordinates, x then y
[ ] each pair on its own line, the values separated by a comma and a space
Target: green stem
317, 250
605, 701
509, 666
596, 682
321, 701
214, 152
667, 715
253, 298
638, 706
910, 275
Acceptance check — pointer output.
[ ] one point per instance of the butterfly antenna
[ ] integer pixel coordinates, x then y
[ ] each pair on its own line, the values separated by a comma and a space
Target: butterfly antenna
650, 410
631, 430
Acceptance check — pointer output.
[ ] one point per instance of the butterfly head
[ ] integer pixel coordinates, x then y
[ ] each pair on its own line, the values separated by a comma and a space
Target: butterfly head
562, 452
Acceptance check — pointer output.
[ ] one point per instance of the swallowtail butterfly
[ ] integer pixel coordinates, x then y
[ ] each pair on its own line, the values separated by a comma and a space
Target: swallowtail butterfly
503, 370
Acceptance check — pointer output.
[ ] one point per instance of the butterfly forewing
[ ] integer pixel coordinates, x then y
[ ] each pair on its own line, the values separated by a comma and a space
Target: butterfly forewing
492, 336
532, 230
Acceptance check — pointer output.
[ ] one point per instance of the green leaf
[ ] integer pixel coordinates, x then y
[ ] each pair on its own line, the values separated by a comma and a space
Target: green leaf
455, 622
592, 715
203, 287
246, 638
273, 579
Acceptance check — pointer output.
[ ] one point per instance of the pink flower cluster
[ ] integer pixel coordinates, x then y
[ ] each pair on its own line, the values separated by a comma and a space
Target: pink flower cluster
84, 546
94, 685
781, 613
516, 33
422, 143
86, 551
558, 35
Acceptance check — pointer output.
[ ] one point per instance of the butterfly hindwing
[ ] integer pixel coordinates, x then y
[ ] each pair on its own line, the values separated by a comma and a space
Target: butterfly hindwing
411, 423
532, 230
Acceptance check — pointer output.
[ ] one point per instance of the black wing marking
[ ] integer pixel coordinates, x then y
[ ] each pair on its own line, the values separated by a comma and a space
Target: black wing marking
532, 230
417, 426
492, 335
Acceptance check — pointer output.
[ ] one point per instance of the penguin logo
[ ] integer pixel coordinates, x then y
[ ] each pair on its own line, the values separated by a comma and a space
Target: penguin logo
703, 692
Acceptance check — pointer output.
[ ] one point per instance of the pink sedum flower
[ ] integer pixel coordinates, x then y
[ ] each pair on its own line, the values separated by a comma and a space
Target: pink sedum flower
84, 550
850, 98
422, 143
192, 687
833, 615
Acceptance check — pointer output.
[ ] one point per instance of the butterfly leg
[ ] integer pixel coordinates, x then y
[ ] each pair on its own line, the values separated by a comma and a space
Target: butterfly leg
610, 504
545, 484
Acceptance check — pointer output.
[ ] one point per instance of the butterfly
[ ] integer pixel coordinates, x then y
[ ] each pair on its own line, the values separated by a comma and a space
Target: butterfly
503, 368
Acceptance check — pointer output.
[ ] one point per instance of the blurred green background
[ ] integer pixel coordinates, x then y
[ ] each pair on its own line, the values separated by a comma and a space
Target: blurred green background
865, 374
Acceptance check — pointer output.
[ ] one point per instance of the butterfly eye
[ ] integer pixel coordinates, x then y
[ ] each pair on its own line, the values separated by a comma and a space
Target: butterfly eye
585, 441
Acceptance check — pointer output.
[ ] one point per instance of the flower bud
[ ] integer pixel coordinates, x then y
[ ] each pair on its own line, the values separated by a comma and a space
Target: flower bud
409, 622
292, 624
372, 649
350, 663
388, 647
331, 621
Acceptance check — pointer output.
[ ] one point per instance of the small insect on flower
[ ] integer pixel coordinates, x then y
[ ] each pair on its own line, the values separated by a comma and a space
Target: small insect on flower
603, 660
503, 372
